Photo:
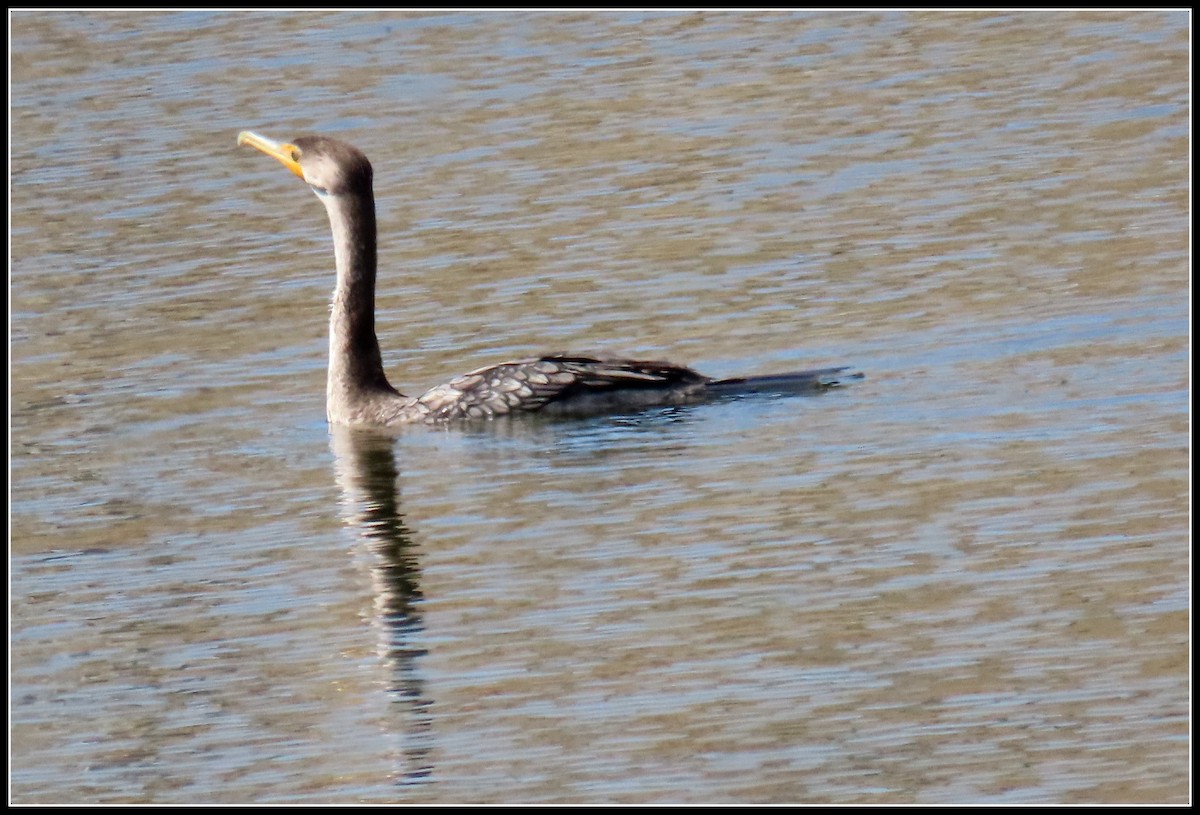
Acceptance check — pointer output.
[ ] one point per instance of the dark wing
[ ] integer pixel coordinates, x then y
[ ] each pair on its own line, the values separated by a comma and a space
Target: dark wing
561, 384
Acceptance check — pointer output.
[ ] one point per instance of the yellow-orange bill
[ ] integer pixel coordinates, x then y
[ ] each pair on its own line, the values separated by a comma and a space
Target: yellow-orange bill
285, 153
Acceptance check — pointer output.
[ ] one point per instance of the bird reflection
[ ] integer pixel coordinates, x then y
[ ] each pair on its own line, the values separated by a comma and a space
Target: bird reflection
366, 472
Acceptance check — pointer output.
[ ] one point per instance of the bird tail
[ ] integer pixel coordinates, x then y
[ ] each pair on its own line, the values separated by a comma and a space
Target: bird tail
798, 382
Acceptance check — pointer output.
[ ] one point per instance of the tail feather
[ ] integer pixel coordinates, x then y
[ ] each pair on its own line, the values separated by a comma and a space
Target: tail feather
798, 382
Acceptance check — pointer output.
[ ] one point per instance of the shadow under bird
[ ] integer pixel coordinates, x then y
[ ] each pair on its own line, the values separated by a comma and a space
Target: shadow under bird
358, 392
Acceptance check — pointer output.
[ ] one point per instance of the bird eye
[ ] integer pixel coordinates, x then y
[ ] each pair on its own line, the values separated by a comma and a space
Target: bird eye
319, 190
296, 154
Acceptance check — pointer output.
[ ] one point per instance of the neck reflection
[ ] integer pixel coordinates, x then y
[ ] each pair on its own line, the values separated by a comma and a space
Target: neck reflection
369, 479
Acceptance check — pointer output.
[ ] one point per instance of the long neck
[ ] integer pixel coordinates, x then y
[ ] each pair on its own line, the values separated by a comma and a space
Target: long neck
355, 364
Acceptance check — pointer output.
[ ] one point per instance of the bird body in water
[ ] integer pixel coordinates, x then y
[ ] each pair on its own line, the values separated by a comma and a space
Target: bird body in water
358, 392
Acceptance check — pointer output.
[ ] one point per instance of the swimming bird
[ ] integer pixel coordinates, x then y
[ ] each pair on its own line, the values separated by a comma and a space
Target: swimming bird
561, 384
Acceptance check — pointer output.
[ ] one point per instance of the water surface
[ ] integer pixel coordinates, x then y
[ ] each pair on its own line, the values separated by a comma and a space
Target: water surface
962, 580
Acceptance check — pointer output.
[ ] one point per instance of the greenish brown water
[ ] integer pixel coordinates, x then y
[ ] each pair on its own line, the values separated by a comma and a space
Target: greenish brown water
963, 580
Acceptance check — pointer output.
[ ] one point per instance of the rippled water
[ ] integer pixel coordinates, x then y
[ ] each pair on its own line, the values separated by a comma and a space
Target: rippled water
964, 579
